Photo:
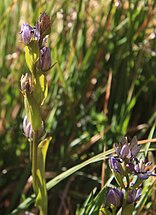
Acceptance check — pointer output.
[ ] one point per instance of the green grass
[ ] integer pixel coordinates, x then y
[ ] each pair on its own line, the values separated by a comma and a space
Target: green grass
89, 41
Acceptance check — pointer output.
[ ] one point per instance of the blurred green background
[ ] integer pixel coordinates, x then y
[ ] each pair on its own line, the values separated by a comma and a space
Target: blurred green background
102, 87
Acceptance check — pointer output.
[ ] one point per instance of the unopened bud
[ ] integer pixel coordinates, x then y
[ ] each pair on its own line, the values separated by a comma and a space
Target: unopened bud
125, 152
26, 83
115, 165
44, 24
27, 128
45, 59
114, 197
26, 33
28, 131
134, 195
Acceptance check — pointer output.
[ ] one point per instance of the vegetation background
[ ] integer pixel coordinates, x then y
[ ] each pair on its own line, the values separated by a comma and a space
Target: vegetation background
102, 87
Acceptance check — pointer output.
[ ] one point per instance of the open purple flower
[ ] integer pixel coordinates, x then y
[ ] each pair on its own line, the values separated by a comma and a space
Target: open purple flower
114, 197
141, 170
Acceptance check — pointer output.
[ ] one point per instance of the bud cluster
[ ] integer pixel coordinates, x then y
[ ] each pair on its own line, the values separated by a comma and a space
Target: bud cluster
129, 172
34, 85
39, 33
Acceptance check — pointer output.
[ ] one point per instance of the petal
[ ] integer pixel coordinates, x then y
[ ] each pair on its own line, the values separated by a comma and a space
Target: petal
125, 152
137, 168
143, 176
138, 194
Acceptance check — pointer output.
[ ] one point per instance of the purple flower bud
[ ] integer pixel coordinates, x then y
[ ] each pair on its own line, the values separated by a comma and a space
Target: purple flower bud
119, 146
123, 141
134, 147
26, 33
27, 128
125, 152
28, 131
115, 164
45, 59
134, 195
114, 197
44, 24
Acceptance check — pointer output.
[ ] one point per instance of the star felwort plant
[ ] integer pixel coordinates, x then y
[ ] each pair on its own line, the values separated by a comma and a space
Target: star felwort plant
130, 172
34, 88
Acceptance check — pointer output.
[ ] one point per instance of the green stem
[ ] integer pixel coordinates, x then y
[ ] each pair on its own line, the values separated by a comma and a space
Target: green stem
34, 161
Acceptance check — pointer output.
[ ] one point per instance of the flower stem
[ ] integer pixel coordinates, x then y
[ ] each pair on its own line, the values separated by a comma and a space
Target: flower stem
34, 161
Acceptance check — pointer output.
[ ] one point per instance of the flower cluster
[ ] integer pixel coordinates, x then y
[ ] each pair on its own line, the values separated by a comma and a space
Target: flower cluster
129, 172
34, 84
127, 161
39, 33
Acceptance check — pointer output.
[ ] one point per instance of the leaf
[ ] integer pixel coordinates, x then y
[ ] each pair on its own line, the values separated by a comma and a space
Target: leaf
32, 55
95, 205
82, 210
119, 179
99, 200
104, 211
62, 176
74, 169
41, 199
41, 88
32, 111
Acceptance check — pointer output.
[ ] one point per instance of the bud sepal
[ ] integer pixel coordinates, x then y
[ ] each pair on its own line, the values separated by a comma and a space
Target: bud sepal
32, 111
32, 55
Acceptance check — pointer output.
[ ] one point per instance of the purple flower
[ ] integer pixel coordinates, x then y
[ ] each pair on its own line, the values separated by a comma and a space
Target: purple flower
114, 197
134, 195
127, 151
134, 147
45, 59
119, 146
115, 164
26, 32
141, 170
